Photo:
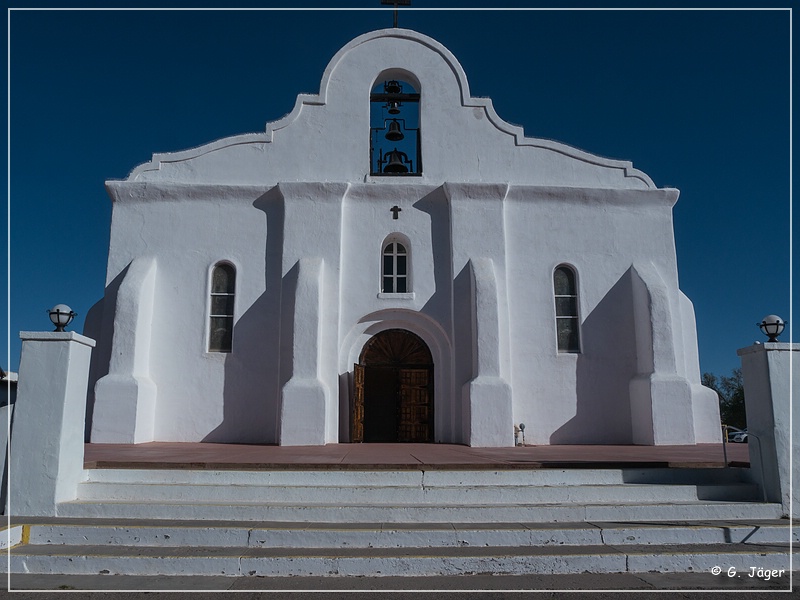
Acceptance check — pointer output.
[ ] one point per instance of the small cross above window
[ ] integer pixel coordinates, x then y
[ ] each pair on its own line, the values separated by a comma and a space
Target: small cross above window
395, 210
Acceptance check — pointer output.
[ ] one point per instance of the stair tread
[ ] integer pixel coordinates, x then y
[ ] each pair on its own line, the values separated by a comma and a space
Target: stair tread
344, 553
188, 523
190, 501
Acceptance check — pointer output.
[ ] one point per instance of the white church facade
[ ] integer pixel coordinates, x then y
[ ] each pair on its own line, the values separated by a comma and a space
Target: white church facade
392, 262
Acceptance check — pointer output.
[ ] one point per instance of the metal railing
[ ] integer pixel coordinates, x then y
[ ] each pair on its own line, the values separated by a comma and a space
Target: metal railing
725, 429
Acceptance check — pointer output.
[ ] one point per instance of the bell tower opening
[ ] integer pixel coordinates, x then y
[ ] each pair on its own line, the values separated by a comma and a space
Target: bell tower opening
393, 400
394, 135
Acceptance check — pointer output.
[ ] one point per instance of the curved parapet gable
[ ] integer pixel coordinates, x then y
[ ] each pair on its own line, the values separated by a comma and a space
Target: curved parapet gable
463, 138
159, 159
243, 139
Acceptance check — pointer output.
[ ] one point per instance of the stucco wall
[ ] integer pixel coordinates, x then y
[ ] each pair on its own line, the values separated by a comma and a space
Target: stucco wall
296, 212
212, 396
580, 398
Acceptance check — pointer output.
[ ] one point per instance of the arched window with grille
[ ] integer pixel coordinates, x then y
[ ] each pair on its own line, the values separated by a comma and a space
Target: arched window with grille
395, 278
566, 301
223, 290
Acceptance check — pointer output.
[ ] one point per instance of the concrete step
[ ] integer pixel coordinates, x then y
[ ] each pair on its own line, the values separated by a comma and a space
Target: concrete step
419, 496
404, 522
496, 512
465, 494
272, 562
419, 477
167, 534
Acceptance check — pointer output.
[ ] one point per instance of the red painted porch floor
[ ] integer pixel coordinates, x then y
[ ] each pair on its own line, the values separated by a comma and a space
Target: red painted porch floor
183, 455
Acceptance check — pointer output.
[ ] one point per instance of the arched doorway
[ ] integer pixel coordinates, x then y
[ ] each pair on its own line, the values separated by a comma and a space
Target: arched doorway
393, 400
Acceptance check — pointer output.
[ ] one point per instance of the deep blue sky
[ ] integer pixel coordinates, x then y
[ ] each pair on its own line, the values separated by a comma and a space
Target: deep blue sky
699, 100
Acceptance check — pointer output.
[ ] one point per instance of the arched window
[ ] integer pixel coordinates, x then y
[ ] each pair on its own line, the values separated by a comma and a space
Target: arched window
395, 267
566, 298
223, 288
394, 142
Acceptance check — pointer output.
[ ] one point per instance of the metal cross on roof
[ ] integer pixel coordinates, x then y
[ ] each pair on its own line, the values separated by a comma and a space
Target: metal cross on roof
396, 3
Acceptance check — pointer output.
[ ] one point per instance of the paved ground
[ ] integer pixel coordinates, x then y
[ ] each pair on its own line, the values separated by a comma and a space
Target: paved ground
415, 456
685, 585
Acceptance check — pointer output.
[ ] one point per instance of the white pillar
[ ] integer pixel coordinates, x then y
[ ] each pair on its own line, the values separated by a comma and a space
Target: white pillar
125, 399
47, 442
668, 404
487, 397
312, 230
305, 398
770, 372
478, 234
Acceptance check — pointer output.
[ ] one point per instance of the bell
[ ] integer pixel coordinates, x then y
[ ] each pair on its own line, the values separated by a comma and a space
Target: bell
392, 87
395, 163
394, 134
394, 108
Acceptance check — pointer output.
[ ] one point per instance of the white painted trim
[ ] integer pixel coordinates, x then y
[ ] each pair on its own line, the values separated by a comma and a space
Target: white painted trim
405, 296
56, 336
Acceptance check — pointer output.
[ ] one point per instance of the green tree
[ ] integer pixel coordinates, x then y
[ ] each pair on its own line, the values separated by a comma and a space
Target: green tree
730, 391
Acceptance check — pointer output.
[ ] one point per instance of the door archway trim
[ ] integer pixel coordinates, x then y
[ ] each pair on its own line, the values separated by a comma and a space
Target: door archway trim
447, 426
393, 398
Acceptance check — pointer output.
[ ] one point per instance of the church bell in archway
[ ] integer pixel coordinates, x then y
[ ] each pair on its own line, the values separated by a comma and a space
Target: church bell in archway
394, 134
392, 87
395, 162
395, 145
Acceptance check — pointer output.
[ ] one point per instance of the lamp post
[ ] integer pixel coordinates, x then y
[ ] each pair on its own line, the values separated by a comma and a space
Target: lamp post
61, 315
772, 326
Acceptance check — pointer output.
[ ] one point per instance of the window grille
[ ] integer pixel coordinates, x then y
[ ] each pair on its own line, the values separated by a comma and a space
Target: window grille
566, 300
223, 287
395, 268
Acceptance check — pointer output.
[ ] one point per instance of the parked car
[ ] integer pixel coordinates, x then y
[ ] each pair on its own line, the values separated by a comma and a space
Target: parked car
740, 437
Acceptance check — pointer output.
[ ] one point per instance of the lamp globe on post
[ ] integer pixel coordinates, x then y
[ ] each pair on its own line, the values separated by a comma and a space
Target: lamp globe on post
772, 326
61, 315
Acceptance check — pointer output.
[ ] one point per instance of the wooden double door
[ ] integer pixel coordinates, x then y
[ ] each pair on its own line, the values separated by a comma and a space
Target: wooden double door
393, 400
